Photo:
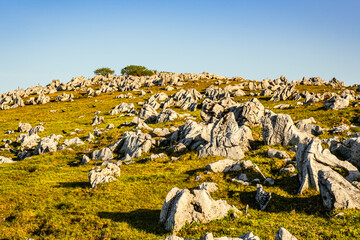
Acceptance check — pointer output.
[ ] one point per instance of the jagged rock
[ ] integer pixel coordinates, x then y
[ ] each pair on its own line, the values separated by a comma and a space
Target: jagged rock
224, 166
99, 175
284, 93
28, 141
355, 152
133, 144
288, 169
161, 132
250, 112
269, 181
142, 125
110, 126
311, 158
147, 113
36, 129
306, 125
208, 186
336, 192
89, 138
336, 103
102, 155
262, 197
238, 93
97, 120
64, 97
242, 179
283, 234
273, 153
340, 129
123, 108
46, 144
280, 129
85, 160
157, 156
227, 139
182, 206
68, 142
5, 160
283, 106
166, 115
211, 110
24, 127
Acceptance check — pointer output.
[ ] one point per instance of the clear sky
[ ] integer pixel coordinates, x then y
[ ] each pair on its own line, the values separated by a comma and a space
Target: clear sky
256, 39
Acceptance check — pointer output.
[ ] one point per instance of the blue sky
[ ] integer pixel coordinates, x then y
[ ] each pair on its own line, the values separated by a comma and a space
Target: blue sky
45, 40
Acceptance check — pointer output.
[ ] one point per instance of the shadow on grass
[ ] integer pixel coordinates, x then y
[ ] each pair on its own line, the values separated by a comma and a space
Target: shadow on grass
73, 185
141, 219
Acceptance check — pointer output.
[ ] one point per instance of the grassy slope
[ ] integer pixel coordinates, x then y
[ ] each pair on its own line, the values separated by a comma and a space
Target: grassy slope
49, 196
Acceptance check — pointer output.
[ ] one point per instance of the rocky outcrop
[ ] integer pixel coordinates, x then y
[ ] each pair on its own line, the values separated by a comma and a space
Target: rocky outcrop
97, 120
273, 153
336, 103
306, 125
181, 206
46, 144
102, 155
148, 114
65, 97
123, 108
226, 139
69, 142
284, 94
262, 197
166, 115
24, 127
280, 129
108, 172
311, 158
212, 110
224, 166
250, 112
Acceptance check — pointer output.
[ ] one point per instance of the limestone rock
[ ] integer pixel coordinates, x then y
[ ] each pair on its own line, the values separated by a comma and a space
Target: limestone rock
224, 166
24, 127
250, 112
166, 115
102, 155
97, 120
283, 234
208, 186
273, 153
5, 160
181, 206
99, 175
123, 108
227, 139
336, 103
262, 197
147, 113
46, 144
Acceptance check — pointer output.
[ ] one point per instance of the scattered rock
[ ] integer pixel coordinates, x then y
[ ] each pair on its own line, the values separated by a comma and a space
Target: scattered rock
262, 197
102, 155
273, 153
99, 174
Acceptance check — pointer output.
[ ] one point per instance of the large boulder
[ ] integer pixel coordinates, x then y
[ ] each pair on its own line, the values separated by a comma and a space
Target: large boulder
166, 115
133, 144
102, 155
337, 193
212, 110
147, 113
181, 206
46, 144
28, 141
280, 129
123, 108
283, 234
103, 174
250, 112
227, 139
306, 125
336, 103
284, 94
311, 158
273, 153
24, 127
224, 166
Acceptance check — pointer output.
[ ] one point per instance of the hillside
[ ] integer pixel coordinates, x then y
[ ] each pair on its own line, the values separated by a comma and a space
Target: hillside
46, 194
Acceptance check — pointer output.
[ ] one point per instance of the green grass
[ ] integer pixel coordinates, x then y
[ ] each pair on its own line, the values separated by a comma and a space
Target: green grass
49, 196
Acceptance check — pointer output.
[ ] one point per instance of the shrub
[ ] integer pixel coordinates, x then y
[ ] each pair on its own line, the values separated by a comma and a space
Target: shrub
104, 71
134, 70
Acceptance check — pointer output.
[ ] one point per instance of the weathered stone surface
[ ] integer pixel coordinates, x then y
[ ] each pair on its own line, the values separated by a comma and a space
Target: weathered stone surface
250, 112
284, 94
355, 152
181, 206
311, 158
5, 160
28, 141
133, 144
208, 186
227, 139
209, 236
273, 153
123, 108
224, 166
69, 142
336, 192
336, 103
280, 129
97, 120
306, 125
102, 155
64, 97
262, 197
283, 234
46, 144
24, 127
148, 114
211, 110
36, 129
340, 129
166, 115
161, 132
99, 174
85, 160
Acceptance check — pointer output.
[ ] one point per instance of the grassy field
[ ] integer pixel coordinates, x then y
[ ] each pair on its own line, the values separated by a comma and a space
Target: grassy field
49, 196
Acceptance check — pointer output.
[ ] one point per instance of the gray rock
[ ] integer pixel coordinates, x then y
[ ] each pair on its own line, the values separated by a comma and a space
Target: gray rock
157, 156
24, 127
209, 236
250, 112
224, 166
312, 158
208, 186
123, 108
280, 129
336, 103
181, 206
5, 160
306, 125
147, 113
70, 142
46, 144
273, 153
227, 139
340, 129
283, 234
166, 115
211, 110
161, 132
28, 141
337, 193
355, 152
99, 175
262, 197
89, 138
269, 181
102, 155
97, 120
85, 160
284, 94
36, 130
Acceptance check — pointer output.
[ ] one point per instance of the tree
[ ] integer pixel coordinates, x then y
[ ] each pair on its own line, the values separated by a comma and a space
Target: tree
134, 70
104, 71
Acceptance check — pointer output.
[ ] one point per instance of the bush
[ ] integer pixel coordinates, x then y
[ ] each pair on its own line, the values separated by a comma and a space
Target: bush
104, 71
134, 70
